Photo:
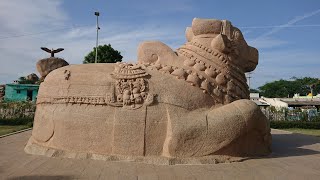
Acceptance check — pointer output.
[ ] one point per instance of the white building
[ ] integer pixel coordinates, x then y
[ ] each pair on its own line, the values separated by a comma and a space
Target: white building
297, 101
293, 102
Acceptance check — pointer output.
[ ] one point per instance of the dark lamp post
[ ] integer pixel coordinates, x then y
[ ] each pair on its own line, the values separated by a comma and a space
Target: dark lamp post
97, 14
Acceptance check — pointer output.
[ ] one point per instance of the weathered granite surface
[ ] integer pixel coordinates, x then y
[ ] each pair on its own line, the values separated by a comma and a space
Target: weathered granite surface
45, 66
191, 103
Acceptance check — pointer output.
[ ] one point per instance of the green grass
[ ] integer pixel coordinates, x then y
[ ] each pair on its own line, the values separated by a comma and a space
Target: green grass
313, 132
6, 129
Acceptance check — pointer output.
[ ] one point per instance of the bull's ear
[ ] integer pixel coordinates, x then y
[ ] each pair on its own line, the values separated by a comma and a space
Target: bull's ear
221, 43
189, 34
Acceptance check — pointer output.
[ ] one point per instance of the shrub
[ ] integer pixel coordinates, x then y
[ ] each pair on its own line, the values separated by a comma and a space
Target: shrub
295, 124
17, 121
14, 110
17, 113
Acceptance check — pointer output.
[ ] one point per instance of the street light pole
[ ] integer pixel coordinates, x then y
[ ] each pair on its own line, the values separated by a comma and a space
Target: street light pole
97, 14
249, 78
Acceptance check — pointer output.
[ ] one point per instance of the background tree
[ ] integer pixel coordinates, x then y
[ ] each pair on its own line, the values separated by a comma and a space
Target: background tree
254, 91
285, 88
106, 54
30, 79
24, 80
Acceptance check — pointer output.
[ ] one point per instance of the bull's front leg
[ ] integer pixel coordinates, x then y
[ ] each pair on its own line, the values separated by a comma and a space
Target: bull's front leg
236, 129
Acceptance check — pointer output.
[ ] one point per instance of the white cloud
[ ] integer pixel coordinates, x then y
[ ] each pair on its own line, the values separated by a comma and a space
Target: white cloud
267, 42
20, 54
290, 23
127, 40
17, 17
21, 16
276, 62
164, 6
285, 64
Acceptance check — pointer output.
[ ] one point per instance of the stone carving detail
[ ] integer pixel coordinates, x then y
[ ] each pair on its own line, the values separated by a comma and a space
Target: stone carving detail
67, 74
192, 77
201, 109
210, 80
211, 70
74, 100
131, 85
130, 90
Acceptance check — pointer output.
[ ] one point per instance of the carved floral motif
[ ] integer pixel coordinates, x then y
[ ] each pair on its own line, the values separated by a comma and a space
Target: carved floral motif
131, 85
130, 90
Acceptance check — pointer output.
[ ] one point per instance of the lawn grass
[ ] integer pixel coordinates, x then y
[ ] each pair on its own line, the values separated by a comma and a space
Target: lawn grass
6, 129
313, 132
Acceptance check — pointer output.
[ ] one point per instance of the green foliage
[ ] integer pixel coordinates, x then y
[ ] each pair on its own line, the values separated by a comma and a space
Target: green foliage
312, 132
17, 113
23, 80
17, 110
106, 54
254, 91
17, 121
285, 114
17, 105
284, 88
295, 124
16, 116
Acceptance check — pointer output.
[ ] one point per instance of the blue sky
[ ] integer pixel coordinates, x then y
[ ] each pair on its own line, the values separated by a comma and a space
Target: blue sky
285, 32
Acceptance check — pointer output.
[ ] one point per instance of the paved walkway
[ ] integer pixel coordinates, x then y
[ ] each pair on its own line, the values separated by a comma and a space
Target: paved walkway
294, 157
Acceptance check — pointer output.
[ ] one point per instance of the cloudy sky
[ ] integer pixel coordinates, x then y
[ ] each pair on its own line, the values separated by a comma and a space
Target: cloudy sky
285, 32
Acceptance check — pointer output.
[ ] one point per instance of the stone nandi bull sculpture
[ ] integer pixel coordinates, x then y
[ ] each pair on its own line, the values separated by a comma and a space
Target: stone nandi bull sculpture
185, 104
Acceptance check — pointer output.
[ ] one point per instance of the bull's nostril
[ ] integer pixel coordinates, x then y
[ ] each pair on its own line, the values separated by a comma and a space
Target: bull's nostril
154, 57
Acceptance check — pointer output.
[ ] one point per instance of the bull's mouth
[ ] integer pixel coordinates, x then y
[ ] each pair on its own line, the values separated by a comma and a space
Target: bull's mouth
250, 66
252, 59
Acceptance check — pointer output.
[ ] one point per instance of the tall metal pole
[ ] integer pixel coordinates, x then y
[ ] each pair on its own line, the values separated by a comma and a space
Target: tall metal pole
96, 58
248, 78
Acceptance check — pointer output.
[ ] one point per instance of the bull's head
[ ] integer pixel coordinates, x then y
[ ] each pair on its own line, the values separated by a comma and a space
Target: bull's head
224, 37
